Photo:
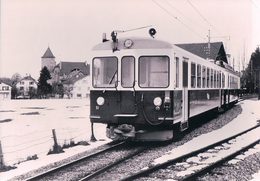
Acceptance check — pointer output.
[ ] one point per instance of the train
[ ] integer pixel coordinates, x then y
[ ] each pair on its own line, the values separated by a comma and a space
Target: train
146, 89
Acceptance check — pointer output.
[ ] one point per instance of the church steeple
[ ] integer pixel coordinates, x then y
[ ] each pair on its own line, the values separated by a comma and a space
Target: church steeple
48, 54
48, 60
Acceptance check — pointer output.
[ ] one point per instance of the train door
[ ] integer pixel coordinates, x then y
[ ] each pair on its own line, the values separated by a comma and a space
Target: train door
185, 98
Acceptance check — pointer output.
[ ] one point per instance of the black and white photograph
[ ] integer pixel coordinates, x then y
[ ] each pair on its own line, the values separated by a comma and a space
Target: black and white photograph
129, 90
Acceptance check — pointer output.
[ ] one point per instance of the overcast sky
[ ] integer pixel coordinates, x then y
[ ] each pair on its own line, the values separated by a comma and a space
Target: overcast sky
72, 27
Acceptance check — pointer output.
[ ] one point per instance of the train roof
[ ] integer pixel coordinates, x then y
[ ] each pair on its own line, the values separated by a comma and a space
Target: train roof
137, 43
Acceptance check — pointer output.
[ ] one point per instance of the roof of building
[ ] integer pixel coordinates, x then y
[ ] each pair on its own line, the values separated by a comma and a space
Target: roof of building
28, 77
217, 51
5, 82
74, 79
67, 67
48, 54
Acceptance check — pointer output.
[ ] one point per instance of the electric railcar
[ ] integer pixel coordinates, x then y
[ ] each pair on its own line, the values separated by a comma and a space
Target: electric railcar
143, 88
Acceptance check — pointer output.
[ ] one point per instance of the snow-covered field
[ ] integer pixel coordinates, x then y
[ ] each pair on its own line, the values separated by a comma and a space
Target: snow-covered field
26, 129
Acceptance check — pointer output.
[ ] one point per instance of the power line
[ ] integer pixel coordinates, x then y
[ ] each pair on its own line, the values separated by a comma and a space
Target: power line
176, 18
255, 5
176, 9
200, 14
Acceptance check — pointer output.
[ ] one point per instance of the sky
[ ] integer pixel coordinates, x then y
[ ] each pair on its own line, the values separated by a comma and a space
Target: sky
72, 27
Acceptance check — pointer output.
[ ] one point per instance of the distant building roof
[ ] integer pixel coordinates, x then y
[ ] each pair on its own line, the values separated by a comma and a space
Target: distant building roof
67, 67
217, 51
48, 54
6, 83
28, 78
74, 79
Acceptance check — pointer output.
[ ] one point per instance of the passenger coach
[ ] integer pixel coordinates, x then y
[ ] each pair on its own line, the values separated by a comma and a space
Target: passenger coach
147, 89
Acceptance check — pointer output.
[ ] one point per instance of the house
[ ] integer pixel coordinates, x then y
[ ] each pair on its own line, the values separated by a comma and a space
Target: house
81, 88
5, 91
214, 50
66, 70
26, 87
77, 87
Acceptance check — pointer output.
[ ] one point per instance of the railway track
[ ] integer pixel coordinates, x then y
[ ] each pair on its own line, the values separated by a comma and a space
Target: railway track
91, 165
198, 162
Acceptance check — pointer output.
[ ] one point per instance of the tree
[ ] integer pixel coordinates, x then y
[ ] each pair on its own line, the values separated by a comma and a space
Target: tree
44, 88
251, 76
15, 79
32, 92
57, 89
14, 92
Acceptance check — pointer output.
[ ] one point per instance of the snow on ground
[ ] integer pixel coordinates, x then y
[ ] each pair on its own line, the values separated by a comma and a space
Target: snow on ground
26, 129
248, 118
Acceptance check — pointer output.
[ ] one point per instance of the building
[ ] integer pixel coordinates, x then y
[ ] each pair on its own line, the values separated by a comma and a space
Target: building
65, 73
26, 87
67, 70
5, 91
48, 60
213, 50
80, 88
77, 87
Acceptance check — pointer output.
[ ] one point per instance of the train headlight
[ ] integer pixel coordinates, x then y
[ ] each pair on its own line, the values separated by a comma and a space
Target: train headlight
157, 101
100, 101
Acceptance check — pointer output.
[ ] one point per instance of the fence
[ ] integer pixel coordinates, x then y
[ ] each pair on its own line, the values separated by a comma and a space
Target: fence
15, 149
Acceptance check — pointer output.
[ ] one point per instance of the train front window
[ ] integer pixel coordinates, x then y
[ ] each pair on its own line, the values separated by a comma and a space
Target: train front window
128, 71
154, 71
104, 72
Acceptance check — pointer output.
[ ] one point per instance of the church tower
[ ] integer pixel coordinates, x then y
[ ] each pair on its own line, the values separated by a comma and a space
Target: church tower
48, 60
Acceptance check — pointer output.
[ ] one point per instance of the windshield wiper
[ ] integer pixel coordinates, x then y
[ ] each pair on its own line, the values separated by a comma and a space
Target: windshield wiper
134, 87
112, 78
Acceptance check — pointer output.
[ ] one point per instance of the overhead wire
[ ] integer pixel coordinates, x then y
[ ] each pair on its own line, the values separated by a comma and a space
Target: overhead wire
252, 1
177, 19
188, 18
201, 15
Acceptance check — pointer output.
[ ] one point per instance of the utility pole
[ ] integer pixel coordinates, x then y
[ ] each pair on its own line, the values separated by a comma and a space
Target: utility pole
209, 44
233, 63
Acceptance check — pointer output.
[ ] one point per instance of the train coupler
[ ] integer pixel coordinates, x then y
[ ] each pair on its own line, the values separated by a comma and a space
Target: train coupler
122, 131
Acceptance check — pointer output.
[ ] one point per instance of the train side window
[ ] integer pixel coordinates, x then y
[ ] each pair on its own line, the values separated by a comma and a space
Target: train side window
223, 80
198, 76
232, 82
128, 71
203, 76
211, 78
215, 79
177, 71
193, 75
218, 78
208, 73
228, 85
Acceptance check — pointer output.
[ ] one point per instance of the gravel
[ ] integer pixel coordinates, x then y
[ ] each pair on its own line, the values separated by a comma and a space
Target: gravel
242, 170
